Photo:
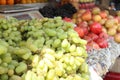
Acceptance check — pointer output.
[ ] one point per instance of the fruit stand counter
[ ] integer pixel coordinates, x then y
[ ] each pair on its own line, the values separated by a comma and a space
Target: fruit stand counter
102, 60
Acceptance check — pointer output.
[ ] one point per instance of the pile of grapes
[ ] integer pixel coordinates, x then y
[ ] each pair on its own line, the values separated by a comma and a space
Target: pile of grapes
66, 10
41, 49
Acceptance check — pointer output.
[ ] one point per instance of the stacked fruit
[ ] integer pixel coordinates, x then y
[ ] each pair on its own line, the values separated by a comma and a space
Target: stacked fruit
90, 27
86, 4
66, 10
85, 1
45, 49
31, 1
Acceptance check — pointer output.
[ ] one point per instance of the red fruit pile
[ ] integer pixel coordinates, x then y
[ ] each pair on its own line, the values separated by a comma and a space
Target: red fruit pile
97, 21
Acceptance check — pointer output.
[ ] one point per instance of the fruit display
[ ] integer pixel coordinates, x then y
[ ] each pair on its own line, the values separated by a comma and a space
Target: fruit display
86, 4
66, 10
86, 1
95, 25
6, 2
32, 1
41, 49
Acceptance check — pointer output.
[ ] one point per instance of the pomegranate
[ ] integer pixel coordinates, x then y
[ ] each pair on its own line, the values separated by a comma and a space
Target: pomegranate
96, 28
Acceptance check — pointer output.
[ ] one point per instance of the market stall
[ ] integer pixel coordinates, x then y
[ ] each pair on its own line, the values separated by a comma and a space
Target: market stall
73, 41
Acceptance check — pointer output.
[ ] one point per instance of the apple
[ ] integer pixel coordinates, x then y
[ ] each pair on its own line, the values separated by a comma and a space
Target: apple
67, 19
96, 10
89, 39
103, 35
82, 24
102, 43
93, 36
111, 31
86, 16
109, 23
117, 37
103, 14
81, 11
118, 28
92, 45
90, 22
78, 20
102, 21
104, 29
79, 31
97, 18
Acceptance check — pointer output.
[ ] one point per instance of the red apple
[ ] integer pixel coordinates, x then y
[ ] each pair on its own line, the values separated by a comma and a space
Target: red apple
102, 43
85, 30
103, 35
103, 14
92, 45
67, 19
79, 31
82, 24
93, 36
87, 38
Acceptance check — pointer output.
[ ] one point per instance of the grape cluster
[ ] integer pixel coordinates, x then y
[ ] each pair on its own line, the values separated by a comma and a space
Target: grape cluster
66, 10
48, 49
9, 32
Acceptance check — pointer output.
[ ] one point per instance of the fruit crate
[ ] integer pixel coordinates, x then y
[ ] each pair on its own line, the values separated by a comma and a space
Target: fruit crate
112, 76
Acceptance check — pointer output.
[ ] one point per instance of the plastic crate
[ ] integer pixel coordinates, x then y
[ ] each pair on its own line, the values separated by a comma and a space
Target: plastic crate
112, 76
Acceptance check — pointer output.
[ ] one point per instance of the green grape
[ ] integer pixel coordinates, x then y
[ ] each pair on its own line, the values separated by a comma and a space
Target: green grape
27, 55
51, 74
21, 68
50, 32
49, 63
50, 57
72, 48
76, 40
49, 43
79, 51
70, 78
28, 75
14, 62
64, 43
72, 60
6, 58
0, 60
59, 54
35, 60
62, 36
41, 78
77, 77
10, 72
3, 70
4, 64
56, 43
34, 76
5, 34
15, 77
10, 66
84, 68
3, 49
85, 76
4, 77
